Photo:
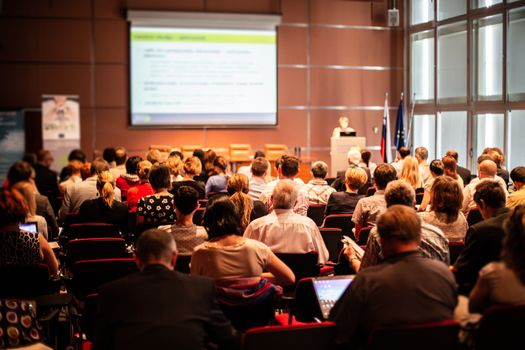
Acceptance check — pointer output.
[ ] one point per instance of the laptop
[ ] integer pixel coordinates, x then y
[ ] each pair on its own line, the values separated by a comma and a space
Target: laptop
29, 227
329, 289
347, 133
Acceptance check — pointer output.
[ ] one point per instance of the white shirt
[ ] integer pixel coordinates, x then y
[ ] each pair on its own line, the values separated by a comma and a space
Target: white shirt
301, 205
257, 186
470, 189
287, 232
245, 170
118, 170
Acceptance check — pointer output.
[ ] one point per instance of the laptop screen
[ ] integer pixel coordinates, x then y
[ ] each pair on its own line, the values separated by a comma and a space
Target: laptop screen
329, 289
29, 227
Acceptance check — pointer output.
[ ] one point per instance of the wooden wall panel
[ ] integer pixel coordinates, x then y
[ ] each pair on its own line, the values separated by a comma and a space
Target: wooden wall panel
294, 11
342, 12
292, 45
166, 5
292, 87
111, 41
243, 6
114, 9
111, 89
43, 8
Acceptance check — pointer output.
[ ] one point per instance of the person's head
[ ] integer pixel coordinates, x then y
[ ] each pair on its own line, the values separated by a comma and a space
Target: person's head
177, 154
421, 154
450, 167
238, 183
27, 190
319, 169
436, 167
31, 158
399, 229
13, 207
355, 178
120, 155
109, 154
383, 174
353, 156
259, 167
289, 167
284, 195
221, 218
154, 247
106, 187
85, 171
199, 153
366, 156
489, 197
144, 168
410, 171
192, 166
446, 197
98, 165
487, 169
453, 153
343, 122
518, 176
220, 164
154, 156
74, 167
238, 187
258, 154
186, 200
496, 155
484, 156
398, 192
44, 157
514, 242
175, 166
77, 154
403, 152
132, 165
209, 156
19, 171
159, 177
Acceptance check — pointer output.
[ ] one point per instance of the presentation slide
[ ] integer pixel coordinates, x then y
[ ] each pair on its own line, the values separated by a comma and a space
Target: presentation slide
203, 77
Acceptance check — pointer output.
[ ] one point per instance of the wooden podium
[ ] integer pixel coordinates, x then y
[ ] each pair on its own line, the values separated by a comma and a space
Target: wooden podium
339, 147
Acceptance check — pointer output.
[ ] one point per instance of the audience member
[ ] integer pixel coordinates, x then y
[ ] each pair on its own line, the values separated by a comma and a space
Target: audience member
186, 234
46, 180
199, 154
19, 247
518, 179
285, 231
108, 154
394, 292
318, 190
258, 170
131, 178
105, 208
75, 154
345, 202
154, 156
228, 256
158, 208
503, 283
421, 154
353, 157
247, 208
450, 169
246, 169
120, 162
486, 172
175, 167
436, 169
410, 172
463, 172
483, 240
217, 183
209, 164
445, 210
366, 163
497, 155
158, 308
75, 176
402, 152
177, 154
141, 190
192, 170
27, 190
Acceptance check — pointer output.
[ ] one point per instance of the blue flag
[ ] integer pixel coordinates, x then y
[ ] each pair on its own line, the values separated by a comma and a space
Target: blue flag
399, 136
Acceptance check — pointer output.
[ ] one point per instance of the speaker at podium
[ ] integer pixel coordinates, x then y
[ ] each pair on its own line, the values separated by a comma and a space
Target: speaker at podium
343, 139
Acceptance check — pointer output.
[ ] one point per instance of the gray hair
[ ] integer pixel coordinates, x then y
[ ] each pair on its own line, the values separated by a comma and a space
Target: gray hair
353, 157
421, 153
155, 244
399, 192
284, 195
319, 169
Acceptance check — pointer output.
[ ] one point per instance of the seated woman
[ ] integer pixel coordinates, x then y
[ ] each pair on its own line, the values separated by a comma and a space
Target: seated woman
248, 209
345, 202
228, 256
18, 247
175, 165
192, 169
504, 282
158, 208
104, 208
450, 169
410, 172
436, 169
217, 183
27, 190
445, 210
143, 189
130, 179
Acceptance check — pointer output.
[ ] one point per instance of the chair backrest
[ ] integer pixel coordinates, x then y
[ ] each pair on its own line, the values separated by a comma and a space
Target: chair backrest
431, 336
70, 219
304, 306
87, 321
306, 336
240, 152
363, 234
302, 264
198, 216
371, 190
332, 240
474, 216
187, 150
24, 281
95, 248
93, 230
455, 249
88, 275
183, 263
274, 151
316, 213
501, 327
342, 221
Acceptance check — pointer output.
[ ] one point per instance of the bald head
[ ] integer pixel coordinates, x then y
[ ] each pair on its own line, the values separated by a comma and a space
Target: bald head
487, 169
284, 195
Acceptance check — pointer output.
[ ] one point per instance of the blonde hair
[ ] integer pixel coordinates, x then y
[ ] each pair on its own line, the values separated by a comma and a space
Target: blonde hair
238, 187
193, 166
106, 187
174, 165
410, 172
27, 190
355, 177
144, 168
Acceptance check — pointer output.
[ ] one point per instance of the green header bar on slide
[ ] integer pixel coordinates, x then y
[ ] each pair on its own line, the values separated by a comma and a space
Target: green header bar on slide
203, 37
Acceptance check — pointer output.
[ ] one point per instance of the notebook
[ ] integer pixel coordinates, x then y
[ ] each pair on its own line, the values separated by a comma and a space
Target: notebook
29, 227
329, 289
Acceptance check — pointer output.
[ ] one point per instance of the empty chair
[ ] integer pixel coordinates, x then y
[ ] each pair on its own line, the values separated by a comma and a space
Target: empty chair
501, 327
316, 213
93, 230
332, 240
95, 248
429, 336
312, 336
302, 264
342, 221
455, 249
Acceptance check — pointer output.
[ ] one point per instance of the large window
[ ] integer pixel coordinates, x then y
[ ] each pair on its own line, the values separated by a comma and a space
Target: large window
425, 133
423, 68
489, 132
422, 11
451, 8
452, 62
516, 55
515, 139
452, 128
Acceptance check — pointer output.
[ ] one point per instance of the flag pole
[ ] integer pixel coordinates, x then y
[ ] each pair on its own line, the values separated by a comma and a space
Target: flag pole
411, 119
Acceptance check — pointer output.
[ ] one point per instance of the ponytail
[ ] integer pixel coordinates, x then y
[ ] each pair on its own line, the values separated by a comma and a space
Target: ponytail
244, 205
105, 185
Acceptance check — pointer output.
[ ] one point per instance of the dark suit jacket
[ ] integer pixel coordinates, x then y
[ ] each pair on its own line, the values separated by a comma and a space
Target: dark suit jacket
464, 173
44, 208
482, 245
160, 309
94, 210
339, 183
46, 181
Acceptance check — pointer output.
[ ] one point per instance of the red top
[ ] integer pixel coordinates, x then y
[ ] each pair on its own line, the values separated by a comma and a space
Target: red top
137, 192
125, 184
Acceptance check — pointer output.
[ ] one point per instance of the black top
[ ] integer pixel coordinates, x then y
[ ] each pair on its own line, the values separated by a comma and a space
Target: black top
160, 309
342, 203
157, 209
339, 183
44, 208
464, 173
197, 185
46, 181
259, 210
95, 210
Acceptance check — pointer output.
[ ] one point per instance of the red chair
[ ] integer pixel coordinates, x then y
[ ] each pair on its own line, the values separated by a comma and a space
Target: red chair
308, 336
316, 213
93, 230
455, 249
96, 248
198, 216
501, 327
332, 240
302, 264
371, 190
342, 221
429, 336
362, 235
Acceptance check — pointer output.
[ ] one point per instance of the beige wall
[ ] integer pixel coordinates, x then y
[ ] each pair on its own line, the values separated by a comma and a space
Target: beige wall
81, 47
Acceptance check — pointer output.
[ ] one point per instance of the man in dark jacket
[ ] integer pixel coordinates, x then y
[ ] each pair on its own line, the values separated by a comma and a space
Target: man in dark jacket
46, 179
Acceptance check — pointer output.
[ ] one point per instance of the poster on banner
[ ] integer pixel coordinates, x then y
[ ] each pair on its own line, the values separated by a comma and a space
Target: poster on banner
12, 140
60, 117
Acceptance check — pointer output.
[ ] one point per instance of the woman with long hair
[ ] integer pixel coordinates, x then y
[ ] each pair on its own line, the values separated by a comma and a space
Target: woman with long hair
249, 210
450, 169
436, 169
410, 172
143, 189
217, 183
192, 168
